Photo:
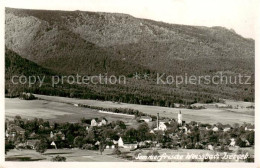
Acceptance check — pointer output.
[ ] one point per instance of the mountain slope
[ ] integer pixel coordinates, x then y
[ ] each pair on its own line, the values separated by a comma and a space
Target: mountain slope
89, 39
15, 65
89, 43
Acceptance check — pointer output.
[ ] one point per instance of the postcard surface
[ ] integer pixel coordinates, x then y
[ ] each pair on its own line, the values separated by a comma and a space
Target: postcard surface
130, 81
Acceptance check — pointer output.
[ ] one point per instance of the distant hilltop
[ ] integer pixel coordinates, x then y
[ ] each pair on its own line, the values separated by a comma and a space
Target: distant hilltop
92, 43
77, 41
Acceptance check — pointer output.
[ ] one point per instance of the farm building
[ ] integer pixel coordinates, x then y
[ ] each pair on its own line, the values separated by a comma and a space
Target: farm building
146, 118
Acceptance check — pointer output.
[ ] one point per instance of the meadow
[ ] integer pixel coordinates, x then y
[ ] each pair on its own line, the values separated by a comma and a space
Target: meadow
64, 109
76, 155
79, 155
55, 111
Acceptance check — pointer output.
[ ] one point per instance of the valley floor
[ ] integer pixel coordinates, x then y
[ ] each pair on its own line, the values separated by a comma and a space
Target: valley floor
63, 109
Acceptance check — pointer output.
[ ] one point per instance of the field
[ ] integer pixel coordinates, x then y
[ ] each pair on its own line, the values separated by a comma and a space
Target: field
55, 111
62, 109
79, 155
70, 154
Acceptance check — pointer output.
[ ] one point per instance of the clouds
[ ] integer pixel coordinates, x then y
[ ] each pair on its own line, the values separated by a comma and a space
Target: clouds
237, 14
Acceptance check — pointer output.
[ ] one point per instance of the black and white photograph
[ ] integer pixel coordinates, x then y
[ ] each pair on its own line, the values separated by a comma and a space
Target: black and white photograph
129, 81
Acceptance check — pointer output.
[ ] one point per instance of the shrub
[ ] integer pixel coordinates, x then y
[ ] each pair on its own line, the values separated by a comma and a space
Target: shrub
41, 146
224, 148
58, 159
153, 153
240, 143
137, 153
250, 159
8, 146
189, 146
27, 96
89, 147
116, 151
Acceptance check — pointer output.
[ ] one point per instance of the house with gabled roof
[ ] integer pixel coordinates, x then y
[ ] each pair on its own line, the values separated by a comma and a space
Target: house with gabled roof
98, 122
215, 129
94, 122
146, 118
250, 128
103, 122
233, 142
162, 126
13, 130
120, 142
32, 143
226, 129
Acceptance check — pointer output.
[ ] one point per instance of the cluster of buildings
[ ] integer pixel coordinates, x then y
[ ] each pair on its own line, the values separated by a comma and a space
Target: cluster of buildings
162, 125
13, 131
97, 122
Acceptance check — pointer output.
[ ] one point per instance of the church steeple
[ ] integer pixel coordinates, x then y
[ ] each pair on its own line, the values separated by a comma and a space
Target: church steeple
180, 118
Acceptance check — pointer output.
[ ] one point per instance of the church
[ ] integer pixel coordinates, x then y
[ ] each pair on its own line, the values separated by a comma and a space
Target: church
162, 125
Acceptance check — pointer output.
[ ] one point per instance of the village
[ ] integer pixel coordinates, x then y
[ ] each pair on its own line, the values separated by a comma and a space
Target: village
99, 134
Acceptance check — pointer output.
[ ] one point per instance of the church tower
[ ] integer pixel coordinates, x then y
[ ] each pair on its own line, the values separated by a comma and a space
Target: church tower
180, 118
51, 134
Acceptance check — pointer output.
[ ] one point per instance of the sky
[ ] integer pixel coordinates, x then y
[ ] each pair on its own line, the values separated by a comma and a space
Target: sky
240, 15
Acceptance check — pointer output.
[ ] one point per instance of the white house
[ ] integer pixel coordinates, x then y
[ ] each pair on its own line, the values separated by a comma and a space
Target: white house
115, 142
120, 142
110, 147
146, 118
233, 142
210, 147
184, 128
247, 142
249, 128
215, 129
97, 143
103, 121
32, 143
94, 123
162, 126
6, 133
87, 128
53, 144
226, 129
177, 105
130, 146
